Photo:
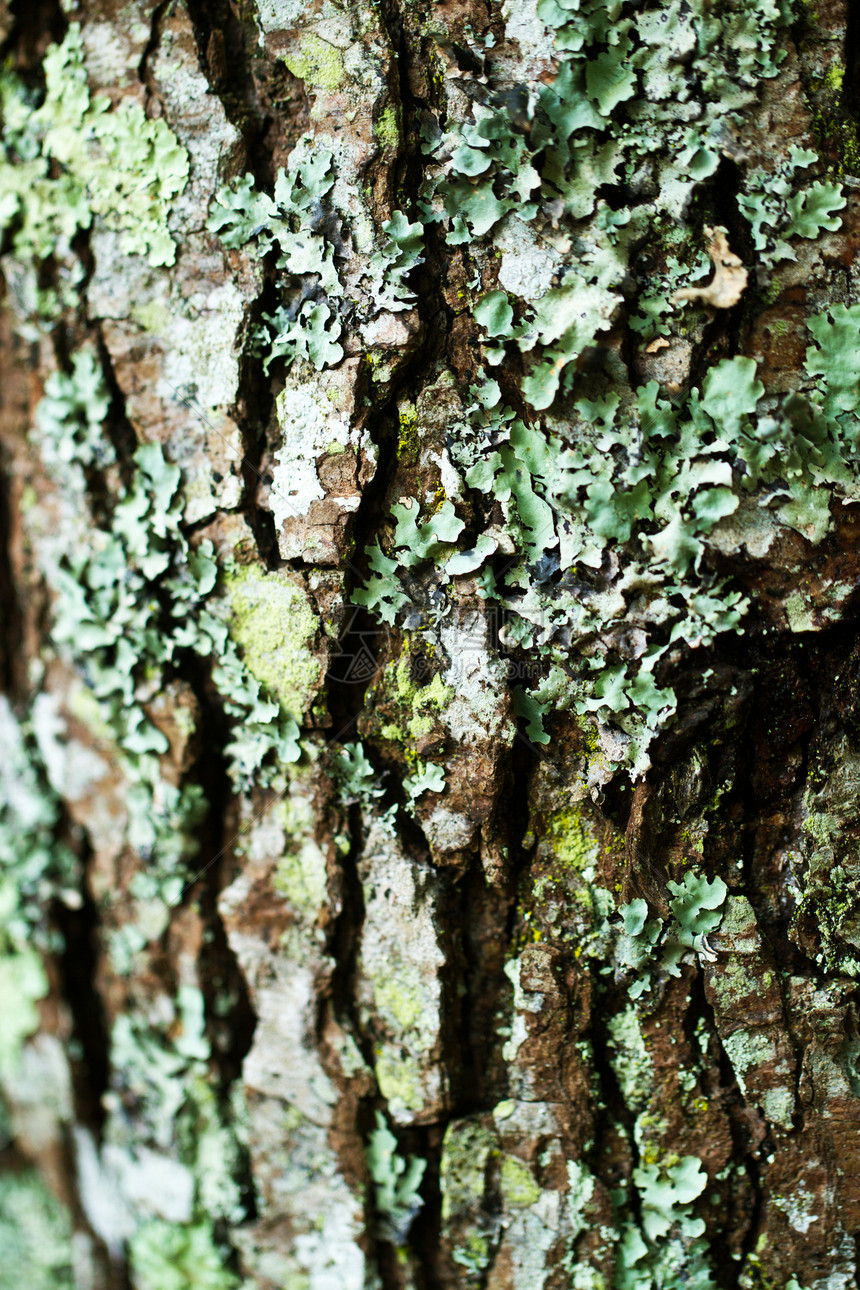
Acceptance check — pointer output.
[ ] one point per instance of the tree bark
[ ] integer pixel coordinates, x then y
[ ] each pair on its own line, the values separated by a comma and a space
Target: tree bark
429, 741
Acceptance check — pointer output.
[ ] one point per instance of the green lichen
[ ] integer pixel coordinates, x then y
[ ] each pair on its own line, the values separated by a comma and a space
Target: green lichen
161, 1070
128, 606
616, 473
400, 253
429, 778
396, 1181
304, 327
35, 1235
355, 775
668, 1249
173, 1256
645, 945
75, 161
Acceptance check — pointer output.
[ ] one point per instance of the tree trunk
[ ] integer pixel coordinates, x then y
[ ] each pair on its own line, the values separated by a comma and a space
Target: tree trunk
429, 738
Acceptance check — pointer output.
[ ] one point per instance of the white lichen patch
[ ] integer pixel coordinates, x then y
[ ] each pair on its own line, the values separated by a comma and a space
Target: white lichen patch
528, 263
522, 1003
308, 1236
800, 1208
283, 1061
312, 428
176, 359
747, 1050
523, 24
280, 15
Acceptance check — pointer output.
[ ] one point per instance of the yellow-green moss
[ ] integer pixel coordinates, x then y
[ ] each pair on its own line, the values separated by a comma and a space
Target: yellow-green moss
420, 704
572, 846
387, 129
467, 1149
519, 1186
398, 1001
317, 63
408, 437
274, 623
399, 1081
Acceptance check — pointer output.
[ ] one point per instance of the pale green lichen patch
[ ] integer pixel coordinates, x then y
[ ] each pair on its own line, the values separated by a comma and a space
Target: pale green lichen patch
747, 1050
300, 874
274, 624
169, 1256
75, 159
630, 1060
520, 1188
317, 62
400, 1083
35, 1235
467, 1149
611, 472
396, 1181
418, 702
34, 865
399, 968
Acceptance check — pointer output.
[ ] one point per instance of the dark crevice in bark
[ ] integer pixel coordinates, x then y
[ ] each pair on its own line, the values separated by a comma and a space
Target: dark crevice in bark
344, 941
746, 1154
36, 26
119, 428
228, 57
143, 73
222, 39
351, 671
723, 330
230, 1029
424, 1233
78, 963
719, 1083
474, 986
254, 412
611, 1110
346, 701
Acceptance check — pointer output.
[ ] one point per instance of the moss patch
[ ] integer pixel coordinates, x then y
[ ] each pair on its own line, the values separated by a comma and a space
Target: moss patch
387, 129
417, 706
571, 843
519, 1186
317, 63
273, 623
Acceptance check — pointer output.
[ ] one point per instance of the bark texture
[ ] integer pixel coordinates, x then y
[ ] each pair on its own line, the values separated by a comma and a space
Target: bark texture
430, 712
